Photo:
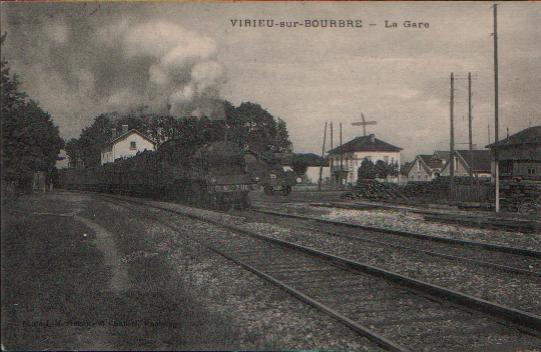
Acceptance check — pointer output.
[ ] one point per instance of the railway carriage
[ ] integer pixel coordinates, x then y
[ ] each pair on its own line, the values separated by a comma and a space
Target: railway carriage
213, 175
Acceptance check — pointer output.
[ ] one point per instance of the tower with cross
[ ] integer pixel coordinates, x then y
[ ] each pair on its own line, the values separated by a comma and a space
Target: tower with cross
364, 123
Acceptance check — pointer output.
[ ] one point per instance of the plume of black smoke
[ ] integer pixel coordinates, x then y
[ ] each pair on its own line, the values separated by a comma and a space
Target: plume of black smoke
79, 60
180, 71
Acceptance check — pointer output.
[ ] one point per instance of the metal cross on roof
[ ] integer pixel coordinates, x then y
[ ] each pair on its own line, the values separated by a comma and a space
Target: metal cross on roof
364, 123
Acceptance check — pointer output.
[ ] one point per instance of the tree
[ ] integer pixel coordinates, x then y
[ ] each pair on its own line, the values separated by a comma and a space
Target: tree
367, 170
381, 169
253, 127
30, 140
94, 138
73, 149
249, 125
282, 142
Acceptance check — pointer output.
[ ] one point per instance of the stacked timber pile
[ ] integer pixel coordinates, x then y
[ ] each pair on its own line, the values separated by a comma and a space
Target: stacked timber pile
436, 189
517, 194
374, 190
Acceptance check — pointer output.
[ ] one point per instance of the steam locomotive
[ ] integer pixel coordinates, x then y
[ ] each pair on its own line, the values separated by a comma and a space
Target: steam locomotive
212, 176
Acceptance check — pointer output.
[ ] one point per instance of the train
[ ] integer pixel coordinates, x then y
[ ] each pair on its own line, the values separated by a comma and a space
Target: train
271, 176
210, 176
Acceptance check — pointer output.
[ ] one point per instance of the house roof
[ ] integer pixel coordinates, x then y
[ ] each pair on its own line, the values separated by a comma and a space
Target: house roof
531, 135
481, 159
365, 143
124, 135
442, 154
433, 161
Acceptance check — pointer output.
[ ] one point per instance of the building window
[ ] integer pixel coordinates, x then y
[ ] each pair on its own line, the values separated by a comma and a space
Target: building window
133, 146
531, 171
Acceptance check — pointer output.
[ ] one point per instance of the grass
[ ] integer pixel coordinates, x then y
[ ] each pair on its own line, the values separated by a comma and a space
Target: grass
162, 312
56, 290
52, 278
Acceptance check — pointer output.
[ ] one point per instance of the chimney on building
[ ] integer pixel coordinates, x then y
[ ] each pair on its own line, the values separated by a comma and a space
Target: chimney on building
124, 129
372, 138
113, 133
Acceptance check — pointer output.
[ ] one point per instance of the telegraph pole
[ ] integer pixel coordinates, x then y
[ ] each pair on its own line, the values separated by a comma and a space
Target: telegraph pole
341, 157
452, 139
470, 137
332, 146
496, 164
332, 143
322, 156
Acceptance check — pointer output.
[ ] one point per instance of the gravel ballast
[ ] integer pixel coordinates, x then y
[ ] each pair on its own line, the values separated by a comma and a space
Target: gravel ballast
265, 316
413, 222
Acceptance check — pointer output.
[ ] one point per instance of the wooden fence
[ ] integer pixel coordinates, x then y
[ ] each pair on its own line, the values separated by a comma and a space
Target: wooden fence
482, 192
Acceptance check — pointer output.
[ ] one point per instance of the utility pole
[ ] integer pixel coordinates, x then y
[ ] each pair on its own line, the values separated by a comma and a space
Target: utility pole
452, 140
341, 157
470, 137
332, 146
322, 156
364, 123
496, 163
332, 134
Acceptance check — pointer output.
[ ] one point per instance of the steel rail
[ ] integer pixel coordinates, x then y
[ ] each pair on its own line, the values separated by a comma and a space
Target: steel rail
356, 327
439, 216
521, 318
431, 253
491, 246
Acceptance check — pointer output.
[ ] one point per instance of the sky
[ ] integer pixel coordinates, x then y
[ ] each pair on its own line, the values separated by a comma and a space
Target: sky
82, 59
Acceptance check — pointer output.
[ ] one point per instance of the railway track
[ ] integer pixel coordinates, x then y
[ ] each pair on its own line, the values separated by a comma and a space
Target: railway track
485, 222
441, 265
396, 312
411, 235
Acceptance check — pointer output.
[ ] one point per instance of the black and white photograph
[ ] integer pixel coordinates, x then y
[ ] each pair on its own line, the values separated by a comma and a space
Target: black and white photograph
271, 176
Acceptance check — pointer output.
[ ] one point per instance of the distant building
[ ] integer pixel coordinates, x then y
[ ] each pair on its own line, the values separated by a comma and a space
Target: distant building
62, 160
345, 160
463, 159
424, 168
126, 145
519, 155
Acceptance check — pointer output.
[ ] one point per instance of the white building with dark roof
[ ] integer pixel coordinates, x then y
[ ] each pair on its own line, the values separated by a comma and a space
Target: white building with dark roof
347, 158
424, 168
126, 145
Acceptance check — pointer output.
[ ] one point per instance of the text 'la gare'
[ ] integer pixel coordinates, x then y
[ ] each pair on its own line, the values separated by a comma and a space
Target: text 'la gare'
407, 24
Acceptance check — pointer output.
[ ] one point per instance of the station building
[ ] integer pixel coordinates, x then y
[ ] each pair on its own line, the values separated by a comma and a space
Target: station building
126, 145
345, 160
